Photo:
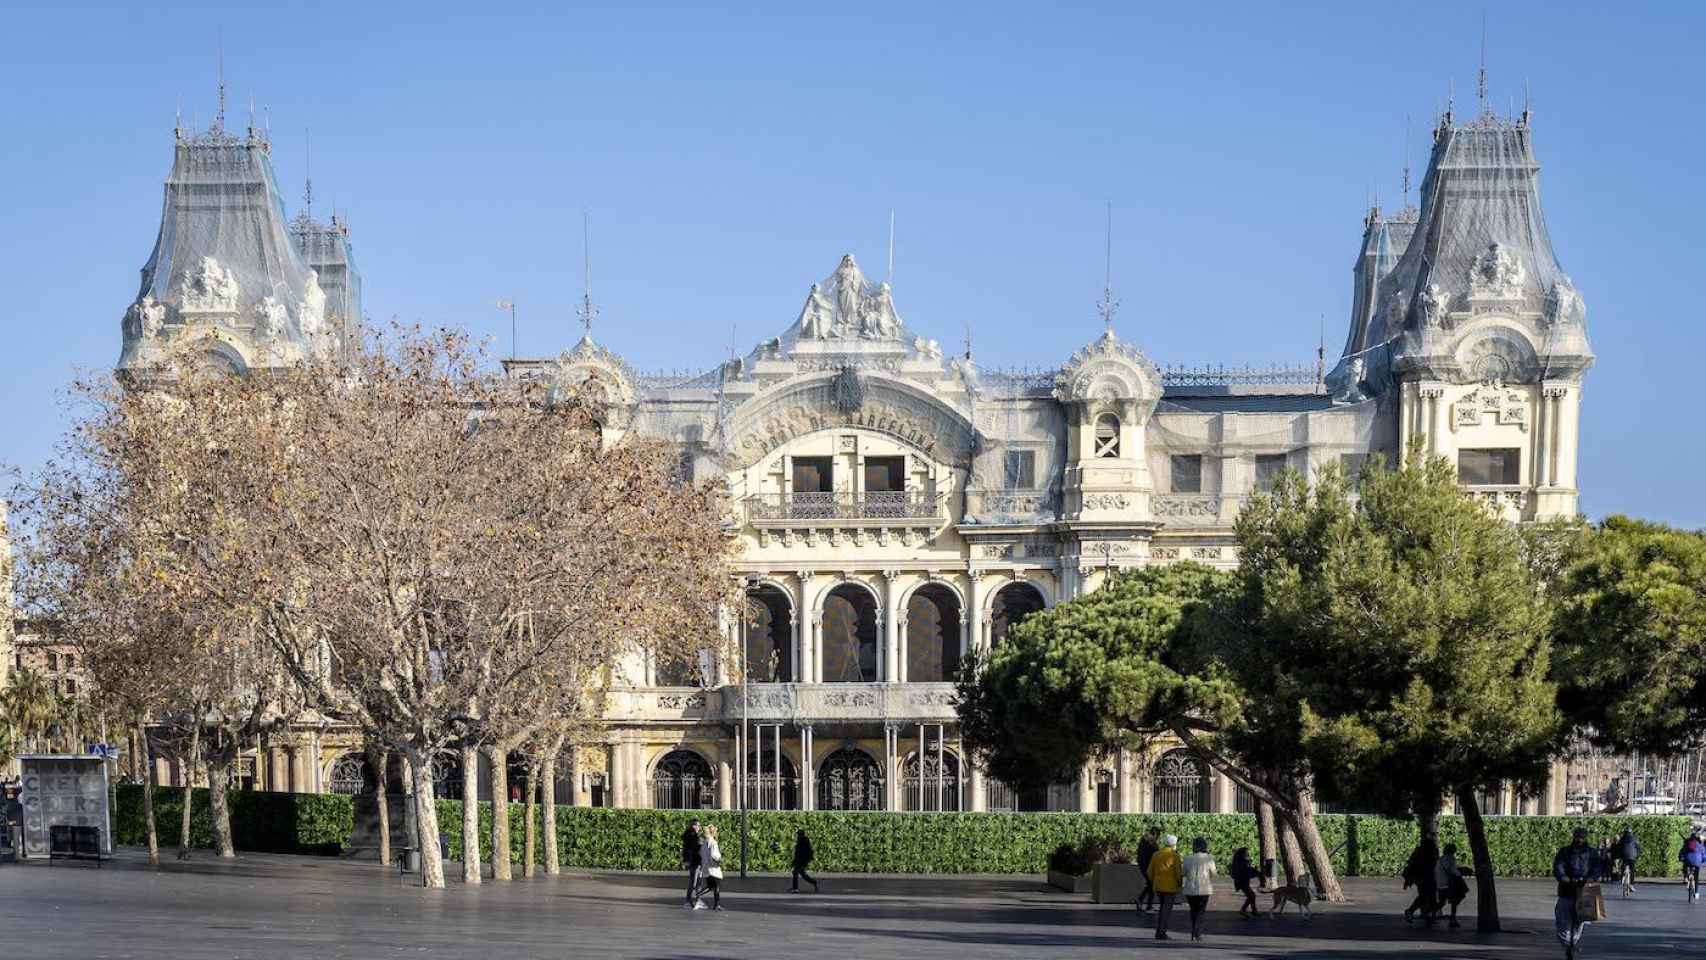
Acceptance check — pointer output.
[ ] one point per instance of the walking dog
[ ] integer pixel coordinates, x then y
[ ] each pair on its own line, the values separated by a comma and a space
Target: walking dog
1289, 894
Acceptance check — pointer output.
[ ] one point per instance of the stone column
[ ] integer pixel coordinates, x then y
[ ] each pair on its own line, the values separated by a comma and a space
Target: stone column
1431, 396
1223, 799
278, 769
972, 636
1123, 797
891, 767
808, 769
891, 627
725, 780
803, 620
1087, 789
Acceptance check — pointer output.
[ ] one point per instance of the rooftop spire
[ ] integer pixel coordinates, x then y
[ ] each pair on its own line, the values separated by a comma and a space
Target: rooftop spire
1108, 306
587, 311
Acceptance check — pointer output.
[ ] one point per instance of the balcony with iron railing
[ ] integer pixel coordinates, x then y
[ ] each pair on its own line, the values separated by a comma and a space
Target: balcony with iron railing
841, 507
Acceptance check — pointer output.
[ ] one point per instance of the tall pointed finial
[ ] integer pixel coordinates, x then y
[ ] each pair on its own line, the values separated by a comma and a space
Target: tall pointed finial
178, 123
587, 311
968, 339
891, 248
1481, 77
251, 115
308, 172
219, 118
1108, 306
1525, 102
1321, 355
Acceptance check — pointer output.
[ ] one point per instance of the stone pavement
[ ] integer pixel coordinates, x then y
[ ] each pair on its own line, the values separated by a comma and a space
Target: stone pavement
274, 906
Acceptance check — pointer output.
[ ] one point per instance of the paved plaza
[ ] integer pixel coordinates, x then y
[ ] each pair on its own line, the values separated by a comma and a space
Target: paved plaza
273, 906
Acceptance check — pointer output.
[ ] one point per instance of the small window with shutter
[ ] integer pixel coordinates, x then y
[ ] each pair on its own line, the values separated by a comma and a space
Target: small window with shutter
1107, 436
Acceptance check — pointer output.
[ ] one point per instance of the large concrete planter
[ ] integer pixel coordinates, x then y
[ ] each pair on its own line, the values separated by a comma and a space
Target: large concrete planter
1115, 882
1069, 882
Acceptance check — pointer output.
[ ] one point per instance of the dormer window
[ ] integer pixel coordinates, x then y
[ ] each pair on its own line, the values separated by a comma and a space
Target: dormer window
1107, 437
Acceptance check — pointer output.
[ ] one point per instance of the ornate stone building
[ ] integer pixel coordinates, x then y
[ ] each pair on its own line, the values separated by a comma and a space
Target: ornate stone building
898, 507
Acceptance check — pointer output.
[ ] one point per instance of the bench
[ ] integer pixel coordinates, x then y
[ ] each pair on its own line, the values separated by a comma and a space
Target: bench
65, 842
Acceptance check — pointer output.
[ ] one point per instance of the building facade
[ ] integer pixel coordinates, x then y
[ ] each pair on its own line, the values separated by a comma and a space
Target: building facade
898, 506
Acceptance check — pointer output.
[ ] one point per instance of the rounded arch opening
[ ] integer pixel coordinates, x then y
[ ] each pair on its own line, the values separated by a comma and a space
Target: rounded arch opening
1107, 436
683, 780
849, 779
770, 635
931, 781
352, 776
933, 631
1181, 783
849, 641
1012, 604
772, 782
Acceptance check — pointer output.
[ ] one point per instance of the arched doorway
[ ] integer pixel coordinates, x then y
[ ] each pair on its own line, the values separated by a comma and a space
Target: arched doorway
1012, 604
769, 787
1181, 784
683, 780
930, 782
932, 634
849, 779
352, 775
770, 636
849, 639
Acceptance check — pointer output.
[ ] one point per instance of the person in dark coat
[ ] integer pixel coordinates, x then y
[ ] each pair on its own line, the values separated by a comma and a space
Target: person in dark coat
1572, 867
690, 859
802, 860
1419, 873
1146, 848
1628, 854
1242, 872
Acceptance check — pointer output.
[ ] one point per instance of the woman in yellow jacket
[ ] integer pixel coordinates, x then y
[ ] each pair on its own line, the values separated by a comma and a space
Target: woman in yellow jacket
1166, 876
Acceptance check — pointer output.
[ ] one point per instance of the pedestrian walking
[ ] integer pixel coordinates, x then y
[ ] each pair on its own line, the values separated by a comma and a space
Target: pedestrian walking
802, 860
1166, 875
1573, 867
1146, 848
1449, 882
1419, 873
711, 864
1197, 883
1607, 860
1628, 854
1693, 857
690, 841
1242, 872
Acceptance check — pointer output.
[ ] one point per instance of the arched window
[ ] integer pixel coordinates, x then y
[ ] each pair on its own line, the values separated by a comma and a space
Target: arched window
849, 780
447, 776
770, 636
849, 639
1181, 784
683, 780
352, 775
769, 787
1107, 436
1013, 603
930, 783
932, 634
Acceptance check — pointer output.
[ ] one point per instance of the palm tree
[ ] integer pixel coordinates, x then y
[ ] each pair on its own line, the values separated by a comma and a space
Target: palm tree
30, 707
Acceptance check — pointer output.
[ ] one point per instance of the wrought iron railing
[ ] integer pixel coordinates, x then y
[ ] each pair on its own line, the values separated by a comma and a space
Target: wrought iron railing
897, 505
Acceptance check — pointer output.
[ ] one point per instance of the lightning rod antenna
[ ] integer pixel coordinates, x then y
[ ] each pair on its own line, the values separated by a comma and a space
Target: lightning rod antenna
891, 248
1481, 77
588, 312
1108, 305
308, 173
219, 118
1406, 160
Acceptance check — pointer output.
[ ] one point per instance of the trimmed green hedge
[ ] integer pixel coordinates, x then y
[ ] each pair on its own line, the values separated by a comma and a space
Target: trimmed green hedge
606, 839
262, 821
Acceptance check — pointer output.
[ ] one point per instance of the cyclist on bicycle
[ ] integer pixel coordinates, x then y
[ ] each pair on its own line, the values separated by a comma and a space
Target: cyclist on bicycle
1693, 855
1628, 851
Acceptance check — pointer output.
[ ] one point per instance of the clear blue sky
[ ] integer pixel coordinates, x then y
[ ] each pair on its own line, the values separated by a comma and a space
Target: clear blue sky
728, 158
